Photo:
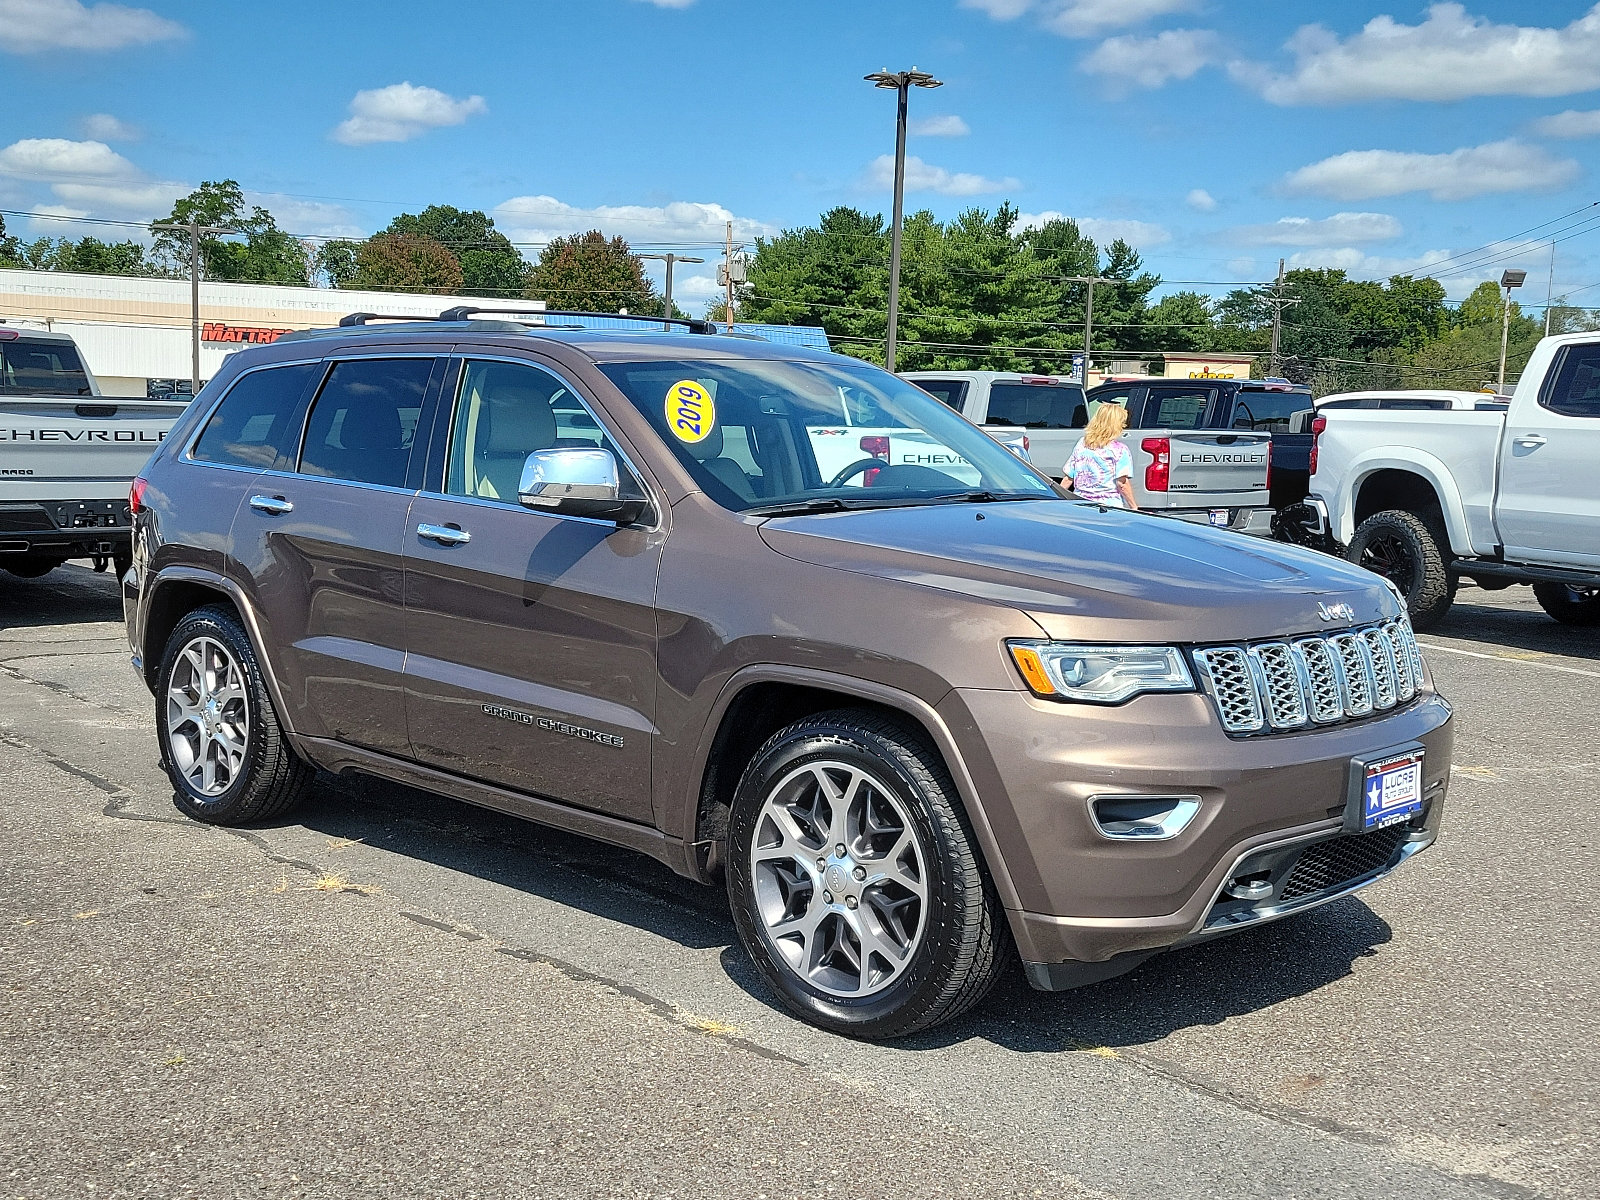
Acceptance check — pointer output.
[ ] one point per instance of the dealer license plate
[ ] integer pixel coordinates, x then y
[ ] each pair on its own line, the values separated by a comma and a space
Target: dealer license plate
1391, 791
1220, 518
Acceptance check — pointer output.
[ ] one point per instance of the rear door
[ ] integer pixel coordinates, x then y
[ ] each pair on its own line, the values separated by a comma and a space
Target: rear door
531, 635
1548, 507
319, 550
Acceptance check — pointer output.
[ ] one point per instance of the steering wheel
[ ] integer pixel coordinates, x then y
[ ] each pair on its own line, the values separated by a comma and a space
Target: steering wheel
855, 468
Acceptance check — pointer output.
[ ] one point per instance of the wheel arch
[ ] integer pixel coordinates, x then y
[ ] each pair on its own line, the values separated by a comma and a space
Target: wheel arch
759, 700
1415, 484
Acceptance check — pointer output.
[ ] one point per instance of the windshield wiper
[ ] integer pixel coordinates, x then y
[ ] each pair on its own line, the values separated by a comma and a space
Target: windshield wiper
984, 497
818, 504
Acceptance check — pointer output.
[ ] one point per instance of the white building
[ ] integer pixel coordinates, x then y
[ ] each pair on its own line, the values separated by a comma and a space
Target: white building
132, 331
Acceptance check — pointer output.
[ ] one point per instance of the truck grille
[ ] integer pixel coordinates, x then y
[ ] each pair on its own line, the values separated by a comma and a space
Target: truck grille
1270, 687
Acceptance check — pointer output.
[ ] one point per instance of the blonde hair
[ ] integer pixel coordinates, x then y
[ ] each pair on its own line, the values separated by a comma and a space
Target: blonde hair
1108, 422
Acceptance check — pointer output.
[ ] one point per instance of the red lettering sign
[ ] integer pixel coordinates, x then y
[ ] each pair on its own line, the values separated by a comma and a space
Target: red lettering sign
255, 335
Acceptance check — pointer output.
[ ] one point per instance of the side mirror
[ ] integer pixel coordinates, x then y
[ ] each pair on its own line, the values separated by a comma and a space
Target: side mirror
577, 482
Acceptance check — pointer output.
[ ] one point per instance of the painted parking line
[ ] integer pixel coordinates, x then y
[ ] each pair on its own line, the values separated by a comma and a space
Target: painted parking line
1510, 658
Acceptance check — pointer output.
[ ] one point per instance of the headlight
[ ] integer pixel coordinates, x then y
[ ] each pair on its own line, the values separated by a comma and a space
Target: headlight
1099, 674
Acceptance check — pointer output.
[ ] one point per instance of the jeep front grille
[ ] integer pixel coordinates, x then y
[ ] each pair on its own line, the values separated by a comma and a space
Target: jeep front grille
1269, 687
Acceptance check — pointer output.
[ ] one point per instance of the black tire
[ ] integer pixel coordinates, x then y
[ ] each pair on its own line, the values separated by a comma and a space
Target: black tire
963, 932
1569, 605
1412, 551
271, 779
121, 560
31, 566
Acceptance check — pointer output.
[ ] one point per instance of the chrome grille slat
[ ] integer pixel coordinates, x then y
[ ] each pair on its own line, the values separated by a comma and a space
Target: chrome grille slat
1278, 686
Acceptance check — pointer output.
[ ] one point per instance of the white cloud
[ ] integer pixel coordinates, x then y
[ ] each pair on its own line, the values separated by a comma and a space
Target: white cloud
540, 218
1082, 18
1358, 264
1132, 61
30, 26
103, 127
1200, 200
309, 217
1449, 56
1507, 166
1104, 230
925, 177
951, 126
402, 111
88, 177
1341, 229
1241, 268
1569, 124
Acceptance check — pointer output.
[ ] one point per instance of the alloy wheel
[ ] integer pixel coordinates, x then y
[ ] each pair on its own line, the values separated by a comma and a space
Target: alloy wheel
1388, 555
841, 885
208, 716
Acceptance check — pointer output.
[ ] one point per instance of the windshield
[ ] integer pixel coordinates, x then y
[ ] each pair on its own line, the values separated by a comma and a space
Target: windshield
41, 368
759, 434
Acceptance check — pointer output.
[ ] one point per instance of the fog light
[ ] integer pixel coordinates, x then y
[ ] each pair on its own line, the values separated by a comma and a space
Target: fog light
1145, 818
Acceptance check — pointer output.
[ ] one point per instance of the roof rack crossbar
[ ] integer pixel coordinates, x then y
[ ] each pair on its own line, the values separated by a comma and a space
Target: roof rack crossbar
363, 318
463, 312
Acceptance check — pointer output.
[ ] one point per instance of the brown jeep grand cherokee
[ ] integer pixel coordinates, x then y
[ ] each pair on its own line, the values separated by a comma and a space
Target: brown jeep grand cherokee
778, 616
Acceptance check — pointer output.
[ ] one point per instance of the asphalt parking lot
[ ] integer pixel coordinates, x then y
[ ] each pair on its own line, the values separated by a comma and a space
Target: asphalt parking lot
398, 994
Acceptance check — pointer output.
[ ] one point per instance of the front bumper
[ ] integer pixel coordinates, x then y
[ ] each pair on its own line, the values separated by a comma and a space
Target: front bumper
1086, 904
65, 528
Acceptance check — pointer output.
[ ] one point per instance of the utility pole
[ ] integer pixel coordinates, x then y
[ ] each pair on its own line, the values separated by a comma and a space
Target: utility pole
727, 271
195, 231
1509, 278
670, 259
901, 82
1088, 314
1279, 302
1549, 291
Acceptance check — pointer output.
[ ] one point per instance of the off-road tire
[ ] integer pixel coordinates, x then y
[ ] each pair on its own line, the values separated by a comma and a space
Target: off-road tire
1424, 578
273, 778
964, 935
1557, 600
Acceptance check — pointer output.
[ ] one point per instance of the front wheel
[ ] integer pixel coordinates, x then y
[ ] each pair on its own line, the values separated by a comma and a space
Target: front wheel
1567, 604
854, 880
222, 745
1413, 553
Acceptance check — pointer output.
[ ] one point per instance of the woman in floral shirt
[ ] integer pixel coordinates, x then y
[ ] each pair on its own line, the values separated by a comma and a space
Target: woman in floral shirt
1101, 468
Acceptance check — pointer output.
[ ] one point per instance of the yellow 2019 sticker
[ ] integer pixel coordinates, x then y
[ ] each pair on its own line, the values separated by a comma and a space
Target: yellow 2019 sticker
691, 413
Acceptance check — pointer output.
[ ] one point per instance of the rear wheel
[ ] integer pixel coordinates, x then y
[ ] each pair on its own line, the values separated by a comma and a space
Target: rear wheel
1569, 605
854, 880
221, 743
1412, 552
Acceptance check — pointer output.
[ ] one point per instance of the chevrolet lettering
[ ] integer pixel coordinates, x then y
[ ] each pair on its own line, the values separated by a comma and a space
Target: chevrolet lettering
791, 626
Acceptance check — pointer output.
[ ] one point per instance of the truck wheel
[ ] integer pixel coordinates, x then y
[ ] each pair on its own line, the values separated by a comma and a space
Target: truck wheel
854, 880
221, 743
31, 566
1569, 605
1413, 553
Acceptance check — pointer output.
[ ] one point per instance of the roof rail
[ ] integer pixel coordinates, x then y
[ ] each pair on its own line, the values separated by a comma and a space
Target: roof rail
363, 318
463, 312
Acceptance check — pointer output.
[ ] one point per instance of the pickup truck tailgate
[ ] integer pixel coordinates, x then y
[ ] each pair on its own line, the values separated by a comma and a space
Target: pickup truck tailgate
1220, 464
78, 449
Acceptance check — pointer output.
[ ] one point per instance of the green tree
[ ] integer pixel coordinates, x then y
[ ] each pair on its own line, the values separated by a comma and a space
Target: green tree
592, 273
1181, 321
335, 262
10, 248
1467, 355
404, 262
90, 256
490, 264
267, 255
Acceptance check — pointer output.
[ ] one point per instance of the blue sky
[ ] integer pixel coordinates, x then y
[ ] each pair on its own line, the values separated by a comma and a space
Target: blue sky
1216, 136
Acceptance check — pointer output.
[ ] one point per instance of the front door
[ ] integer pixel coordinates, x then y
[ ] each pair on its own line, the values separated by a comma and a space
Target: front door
1548, 510
531, 637
319, 545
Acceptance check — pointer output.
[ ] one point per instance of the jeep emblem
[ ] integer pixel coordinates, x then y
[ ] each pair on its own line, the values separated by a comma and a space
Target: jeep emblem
1336, 612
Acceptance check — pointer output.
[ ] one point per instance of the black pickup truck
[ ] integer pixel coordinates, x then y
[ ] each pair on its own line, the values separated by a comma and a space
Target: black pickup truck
1255, 405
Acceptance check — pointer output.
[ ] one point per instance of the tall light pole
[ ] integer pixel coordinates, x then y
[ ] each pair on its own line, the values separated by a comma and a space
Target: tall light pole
1508, 279
669, 259
901, 82
196, 231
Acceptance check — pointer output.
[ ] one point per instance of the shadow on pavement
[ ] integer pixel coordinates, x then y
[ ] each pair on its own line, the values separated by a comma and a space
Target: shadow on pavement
1476, 618
68, 595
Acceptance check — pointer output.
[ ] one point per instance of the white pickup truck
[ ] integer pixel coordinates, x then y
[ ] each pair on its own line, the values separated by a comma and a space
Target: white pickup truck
1498, 496
67, 456
1217, 477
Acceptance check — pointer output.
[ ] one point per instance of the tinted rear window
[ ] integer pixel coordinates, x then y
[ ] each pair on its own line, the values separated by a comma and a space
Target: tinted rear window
952, 391
1267, 412
1177, 409
41, 368
250, 428
1576, 389
364, 420
1037, 406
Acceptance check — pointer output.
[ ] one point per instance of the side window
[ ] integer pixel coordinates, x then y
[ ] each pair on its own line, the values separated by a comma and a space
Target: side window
1576, 389
504, 412
1267, 412
250, 428
1036, 406
1177, 408
1342, 404
363, 421
952, 391
1120, 396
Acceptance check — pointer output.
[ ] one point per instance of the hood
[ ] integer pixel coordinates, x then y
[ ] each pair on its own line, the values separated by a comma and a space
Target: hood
1099, 575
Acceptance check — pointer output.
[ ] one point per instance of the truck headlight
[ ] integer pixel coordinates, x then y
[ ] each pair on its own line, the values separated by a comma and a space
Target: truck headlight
1099, 674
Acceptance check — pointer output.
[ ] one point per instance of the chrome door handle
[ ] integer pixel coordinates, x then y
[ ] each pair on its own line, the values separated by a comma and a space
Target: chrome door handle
444, 535
1530, 439
274, 506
